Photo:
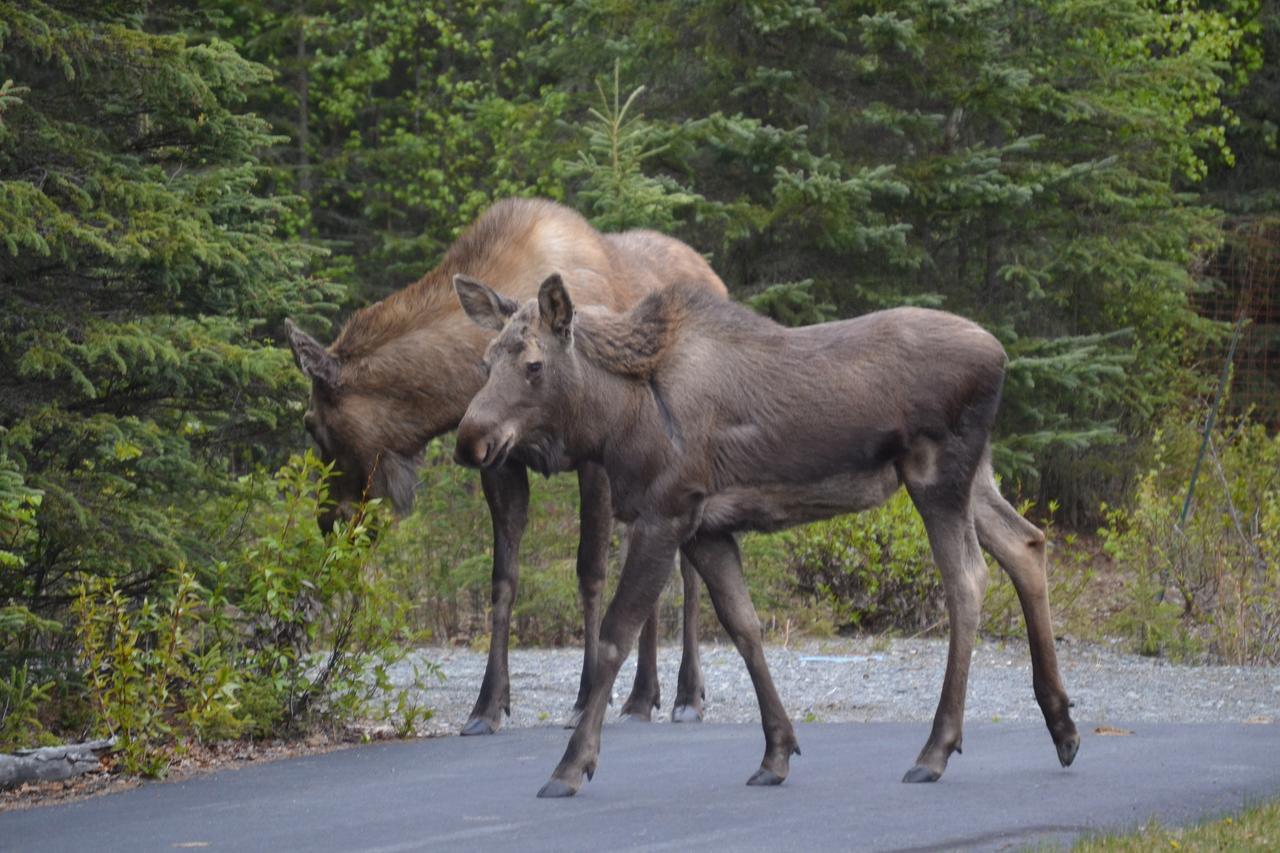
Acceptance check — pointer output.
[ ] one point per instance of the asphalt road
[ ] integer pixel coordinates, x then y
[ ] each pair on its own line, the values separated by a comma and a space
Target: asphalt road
681, 787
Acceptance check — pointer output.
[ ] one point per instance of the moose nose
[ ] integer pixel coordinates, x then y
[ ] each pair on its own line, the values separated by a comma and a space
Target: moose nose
481, 445
474, 444
471, 453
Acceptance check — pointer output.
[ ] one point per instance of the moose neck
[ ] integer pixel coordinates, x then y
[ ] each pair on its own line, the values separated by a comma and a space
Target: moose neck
417, 383
618, 422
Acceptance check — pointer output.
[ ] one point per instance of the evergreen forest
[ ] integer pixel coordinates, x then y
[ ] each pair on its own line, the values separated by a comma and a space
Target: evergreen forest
1097, 183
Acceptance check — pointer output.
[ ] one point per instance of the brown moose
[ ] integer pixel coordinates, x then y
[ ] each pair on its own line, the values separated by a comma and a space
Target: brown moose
402, 372
710, 419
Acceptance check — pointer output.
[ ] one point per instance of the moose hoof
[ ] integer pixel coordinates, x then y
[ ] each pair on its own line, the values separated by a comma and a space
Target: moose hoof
686, 714
574, 719
1067, 749
634, 717
478, 726
556, 788
920, 773
765, 777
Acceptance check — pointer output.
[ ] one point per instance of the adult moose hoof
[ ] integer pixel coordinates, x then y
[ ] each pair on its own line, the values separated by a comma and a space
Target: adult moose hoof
636, 715
639, 709
686, 714
479, 726
920, 773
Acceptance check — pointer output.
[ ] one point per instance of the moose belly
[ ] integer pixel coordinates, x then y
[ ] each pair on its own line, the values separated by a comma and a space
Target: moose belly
774, 506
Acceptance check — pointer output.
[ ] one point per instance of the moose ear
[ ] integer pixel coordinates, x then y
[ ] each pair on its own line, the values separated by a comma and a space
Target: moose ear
485, 306
312, 358
555, 306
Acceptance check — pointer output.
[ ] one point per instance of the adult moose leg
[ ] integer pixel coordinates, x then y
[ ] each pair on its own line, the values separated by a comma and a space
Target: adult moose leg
718, 561
646, 692
596, 529
949, 523
1019, 547
650, 556
506, 489
690, 693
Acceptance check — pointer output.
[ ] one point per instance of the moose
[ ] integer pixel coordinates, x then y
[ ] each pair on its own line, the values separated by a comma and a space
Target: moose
403, 370
710, 419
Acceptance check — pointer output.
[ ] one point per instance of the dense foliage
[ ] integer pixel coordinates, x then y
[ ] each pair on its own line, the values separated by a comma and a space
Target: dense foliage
175, 180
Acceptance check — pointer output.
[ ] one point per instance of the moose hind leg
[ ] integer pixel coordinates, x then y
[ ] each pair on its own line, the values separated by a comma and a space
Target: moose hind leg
595, 531
650, 557
506, 489
964, 580
690, 692
718, 561
1019, 547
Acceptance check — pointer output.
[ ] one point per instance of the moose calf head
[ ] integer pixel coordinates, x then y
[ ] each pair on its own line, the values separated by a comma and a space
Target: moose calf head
532, 371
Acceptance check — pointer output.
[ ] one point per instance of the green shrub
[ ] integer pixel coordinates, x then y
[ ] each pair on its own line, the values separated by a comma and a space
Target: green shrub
1213, 582
133, 659
874, 569
294, 630
20, 702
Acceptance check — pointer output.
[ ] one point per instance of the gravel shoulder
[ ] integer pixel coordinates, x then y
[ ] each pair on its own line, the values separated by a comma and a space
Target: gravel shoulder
875, 680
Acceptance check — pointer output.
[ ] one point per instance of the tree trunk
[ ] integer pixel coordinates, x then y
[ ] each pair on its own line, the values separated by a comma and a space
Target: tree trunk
50, 763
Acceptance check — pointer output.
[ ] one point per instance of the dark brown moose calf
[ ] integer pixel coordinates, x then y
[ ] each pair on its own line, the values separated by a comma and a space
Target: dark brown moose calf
710, 419
402, 372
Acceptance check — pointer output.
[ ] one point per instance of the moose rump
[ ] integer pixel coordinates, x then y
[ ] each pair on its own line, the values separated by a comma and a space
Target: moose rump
711, 420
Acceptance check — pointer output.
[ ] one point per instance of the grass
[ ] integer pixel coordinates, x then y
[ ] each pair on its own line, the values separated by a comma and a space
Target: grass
1257, 828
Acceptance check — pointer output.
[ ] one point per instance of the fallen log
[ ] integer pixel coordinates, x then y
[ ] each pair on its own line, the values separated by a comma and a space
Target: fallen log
50, 763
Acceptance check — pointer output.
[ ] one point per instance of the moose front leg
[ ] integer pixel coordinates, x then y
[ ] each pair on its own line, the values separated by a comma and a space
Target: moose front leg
650, 554
506, 489
690, 693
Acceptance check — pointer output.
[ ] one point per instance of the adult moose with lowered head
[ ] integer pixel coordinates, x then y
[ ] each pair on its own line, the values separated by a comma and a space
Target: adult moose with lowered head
710, 419
403, 370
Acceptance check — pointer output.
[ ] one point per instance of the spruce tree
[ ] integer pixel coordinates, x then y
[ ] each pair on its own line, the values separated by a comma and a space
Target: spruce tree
143, 276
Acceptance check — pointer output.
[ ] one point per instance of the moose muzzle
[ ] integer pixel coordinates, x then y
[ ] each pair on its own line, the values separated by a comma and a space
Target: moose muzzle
482, 445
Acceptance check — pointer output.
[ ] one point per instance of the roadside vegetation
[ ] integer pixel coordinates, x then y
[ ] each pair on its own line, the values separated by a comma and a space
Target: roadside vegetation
176, 180
1256, 828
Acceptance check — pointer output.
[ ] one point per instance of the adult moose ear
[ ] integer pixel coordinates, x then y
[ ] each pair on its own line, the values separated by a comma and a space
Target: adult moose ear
482, 304
555, 306
312, 358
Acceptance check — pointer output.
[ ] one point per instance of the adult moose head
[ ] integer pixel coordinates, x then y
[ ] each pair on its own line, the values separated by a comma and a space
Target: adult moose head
711, 420
369, 460
402, 372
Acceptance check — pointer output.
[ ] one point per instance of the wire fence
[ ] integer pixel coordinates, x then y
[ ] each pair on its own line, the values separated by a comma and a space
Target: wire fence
1245, 282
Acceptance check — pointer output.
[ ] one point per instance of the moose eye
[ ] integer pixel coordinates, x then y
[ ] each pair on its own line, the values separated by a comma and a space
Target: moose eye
533, 368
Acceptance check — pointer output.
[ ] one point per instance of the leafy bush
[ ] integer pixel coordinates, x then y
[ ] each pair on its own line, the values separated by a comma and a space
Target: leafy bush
295, 629
874, 569
1213, 581
20, 703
